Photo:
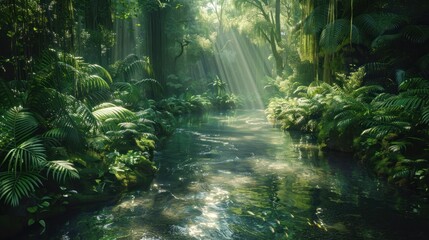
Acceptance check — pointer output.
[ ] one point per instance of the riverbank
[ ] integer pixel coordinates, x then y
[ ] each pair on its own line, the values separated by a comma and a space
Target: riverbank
385, 131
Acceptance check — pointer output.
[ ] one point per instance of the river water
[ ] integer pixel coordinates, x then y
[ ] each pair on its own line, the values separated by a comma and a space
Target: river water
233, 176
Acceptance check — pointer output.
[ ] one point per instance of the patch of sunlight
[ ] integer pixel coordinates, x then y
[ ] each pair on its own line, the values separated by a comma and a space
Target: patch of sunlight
266, 165
237, 181
210, 218
131, 203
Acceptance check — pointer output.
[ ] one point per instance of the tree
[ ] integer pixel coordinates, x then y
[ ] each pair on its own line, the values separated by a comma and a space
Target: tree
268, 25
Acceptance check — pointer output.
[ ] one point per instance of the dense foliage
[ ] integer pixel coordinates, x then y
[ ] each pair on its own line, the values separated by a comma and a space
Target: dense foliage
89, 87
368, 95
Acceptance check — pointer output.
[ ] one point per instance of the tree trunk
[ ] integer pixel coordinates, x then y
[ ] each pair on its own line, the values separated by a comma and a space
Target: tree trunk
278, 24
327, 69
277, 57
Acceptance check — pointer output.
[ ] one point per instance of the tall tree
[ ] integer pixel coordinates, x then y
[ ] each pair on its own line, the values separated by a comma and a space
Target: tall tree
268, 25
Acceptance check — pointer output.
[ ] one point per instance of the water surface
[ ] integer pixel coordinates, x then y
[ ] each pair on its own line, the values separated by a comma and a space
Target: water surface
233, 176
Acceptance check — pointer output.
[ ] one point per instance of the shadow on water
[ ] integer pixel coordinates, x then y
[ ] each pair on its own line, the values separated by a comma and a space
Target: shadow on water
232, 176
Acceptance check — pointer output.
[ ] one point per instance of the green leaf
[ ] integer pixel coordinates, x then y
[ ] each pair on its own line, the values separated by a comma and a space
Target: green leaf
45, 204
30, 222
15, 186
28, 155
32, 209
19, 124
42, 223
111, 111
334, 34
61, 170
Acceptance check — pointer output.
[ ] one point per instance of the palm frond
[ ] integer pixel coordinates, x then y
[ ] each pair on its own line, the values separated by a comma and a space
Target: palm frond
103, 105
98, 70
90, 84
18, 124
398, 146
69, 134
29, 155
127, 125
416, 33
122, 86
61, 170
334, 34
402, 173
113, 112
425, 116
378, 23
147, 81
131, 66
86, 116
316, 20
14, 187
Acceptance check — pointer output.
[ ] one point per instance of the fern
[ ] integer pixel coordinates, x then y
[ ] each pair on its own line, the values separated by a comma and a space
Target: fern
414, 83
382, 129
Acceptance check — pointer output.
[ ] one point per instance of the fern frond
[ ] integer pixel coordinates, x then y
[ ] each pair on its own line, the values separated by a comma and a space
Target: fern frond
414, 83
382, 130
407, 102
367, 90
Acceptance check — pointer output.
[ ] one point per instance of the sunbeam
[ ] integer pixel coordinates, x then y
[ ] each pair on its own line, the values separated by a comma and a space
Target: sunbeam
238, 62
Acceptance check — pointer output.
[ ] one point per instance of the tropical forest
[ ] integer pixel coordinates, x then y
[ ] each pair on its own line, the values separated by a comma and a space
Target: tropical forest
214, 119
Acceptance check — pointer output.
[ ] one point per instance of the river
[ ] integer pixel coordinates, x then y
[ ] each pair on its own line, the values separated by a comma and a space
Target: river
233, 176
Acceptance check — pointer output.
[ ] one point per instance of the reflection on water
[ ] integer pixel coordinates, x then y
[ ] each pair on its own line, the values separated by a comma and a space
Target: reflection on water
234, 177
